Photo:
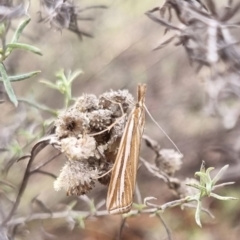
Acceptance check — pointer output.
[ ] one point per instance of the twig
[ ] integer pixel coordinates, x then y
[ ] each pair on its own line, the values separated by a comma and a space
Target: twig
35, 150
44, 173
121, 228
165, 226
45, 163
202, 209
72, 213
7, 183
92, 7
138, 194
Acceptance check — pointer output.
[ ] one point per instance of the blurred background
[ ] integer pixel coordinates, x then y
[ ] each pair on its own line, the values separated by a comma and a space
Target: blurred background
119, 56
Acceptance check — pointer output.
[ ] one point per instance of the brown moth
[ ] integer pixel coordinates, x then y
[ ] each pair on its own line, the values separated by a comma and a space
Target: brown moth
124, 172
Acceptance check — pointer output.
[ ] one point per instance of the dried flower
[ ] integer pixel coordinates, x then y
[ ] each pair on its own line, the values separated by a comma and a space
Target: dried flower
71, 123
76, 178
118, 102
100, 119
64, 14
207, 35
87, 102
169, 161
8, 11
78, 149
89, 134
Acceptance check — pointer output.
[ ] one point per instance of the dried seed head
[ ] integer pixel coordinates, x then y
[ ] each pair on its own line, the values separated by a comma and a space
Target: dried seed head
71, 123
169, 161
104, 167
114, 99
100, 119
76, 178
116, 135
78, 149
86, 103
64, 14
82, 134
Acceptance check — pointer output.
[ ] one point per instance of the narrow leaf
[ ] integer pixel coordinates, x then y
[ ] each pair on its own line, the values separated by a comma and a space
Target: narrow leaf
219, 174
81, 222
203, 177
197, 213
208, 174
49, 84
165, 43
197, 186
222, 185
24, 46
19, 30
8, 86
72, 204
61, 75
74, 75
214, 195
39, 106
21, 77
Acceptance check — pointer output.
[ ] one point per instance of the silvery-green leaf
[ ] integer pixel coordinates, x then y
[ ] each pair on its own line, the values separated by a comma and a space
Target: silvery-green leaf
72, 204
222, 198
222, 185
219, 174
49, 84
11, 46
19, 30
74, 75
92, 206
21, 77
203, 177
208, 188
81, 222
60, 74
8, 86
39, 106
197, 186
208, 172
197, 213
139, 206
148, 199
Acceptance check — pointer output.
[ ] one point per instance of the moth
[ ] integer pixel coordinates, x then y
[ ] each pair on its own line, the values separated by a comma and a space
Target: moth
124, 171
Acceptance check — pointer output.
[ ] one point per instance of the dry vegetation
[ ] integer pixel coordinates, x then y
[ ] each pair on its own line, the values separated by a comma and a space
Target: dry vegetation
186, 51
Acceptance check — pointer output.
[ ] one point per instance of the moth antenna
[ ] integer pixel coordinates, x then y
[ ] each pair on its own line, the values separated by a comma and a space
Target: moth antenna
106, 173
150, 115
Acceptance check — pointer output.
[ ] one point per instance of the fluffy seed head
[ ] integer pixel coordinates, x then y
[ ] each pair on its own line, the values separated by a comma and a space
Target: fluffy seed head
169, 161
88, 134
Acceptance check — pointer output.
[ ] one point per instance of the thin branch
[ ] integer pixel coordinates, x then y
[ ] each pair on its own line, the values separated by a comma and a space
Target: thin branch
92, 7
189, 205
138, 194
35, 150
86, 214
45, 163
44, 173
121, 228
165, 226
7, 184
72, 213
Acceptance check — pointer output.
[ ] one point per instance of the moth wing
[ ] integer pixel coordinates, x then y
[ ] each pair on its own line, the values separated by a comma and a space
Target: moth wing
122, 184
